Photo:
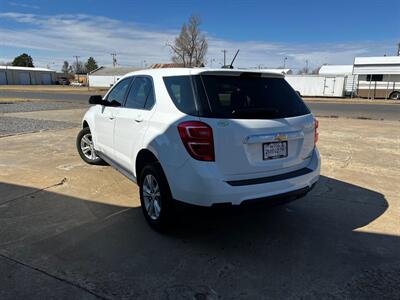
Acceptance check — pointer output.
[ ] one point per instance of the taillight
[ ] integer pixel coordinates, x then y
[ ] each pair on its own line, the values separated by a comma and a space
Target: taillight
316, 125
197, 137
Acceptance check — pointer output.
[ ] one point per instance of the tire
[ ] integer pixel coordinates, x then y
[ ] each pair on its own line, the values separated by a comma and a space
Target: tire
84, 145
157, 203
395, 95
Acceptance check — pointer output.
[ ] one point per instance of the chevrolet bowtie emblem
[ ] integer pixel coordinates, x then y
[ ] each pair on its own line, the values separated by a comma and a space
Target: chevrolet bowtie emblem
281, 137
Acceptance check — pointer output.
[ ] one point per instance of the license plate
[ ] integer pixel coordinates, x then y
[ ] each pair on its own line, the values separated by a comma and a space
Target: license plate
275, 150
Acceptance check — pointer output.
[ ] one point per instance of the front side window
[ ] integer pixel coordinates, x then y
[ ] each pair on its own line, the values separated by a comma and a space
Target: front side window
117, 95
141, 94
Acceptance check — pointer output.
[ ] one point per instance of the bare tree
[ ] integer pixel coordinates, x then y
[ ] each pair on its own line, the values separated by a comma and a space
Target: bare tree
316, 70
191, 45
303, 71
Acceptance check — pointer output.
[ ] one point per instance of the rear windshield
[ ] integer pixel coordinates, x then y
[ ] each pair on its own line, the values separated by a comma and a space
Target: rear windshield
248, 96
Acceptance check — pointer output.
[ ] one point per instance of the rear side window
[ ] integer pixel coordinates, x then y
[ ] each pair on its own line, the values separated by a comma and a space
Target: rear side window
141, 94
180, 89
250, 96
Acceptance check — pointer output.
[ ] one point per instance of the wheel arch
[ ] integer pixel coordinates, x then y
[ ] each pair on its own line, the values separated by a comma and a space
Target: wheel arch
144, 157
85, 124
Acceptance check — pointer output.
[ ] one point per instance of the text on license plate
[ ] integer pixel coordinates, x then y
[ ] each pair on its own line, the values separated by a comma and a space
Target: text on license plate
275, 150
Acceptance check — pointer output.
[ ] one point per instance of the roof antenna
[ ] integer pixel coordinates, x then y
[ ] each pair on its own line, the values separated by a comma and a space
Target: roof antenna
231, 65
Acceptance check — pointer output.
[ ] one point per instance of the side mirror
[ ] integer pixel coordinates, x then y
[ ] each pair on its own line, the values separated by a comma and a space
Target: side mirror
96, 99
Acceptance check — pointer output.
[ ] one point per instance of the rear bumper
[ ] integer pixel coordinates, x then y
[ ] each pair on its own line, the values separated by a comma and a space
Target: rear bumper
202, 184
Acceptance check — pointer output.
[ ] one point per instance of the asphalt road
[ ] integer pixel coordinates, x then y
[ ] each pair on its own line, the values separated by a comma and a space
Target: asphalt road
329, 109
354, 110
80, 98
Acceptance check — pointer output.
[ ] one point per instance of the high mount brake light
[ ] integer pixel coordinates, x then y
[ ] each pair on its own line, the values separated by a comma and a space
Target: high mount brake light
197, 137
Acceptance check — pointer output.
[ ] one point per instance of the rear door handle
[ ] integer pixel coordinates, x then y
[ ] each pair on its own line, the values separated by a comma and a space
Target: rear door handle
139, 119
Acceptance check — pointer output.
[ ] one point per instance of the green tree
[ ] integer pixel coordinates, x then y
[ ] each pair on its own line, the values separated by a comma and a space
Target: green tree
91, 65
24, 60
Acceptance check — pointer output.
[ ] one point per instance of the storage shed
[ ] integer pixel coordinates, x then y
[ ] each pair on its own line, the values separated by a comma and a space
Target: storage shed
108, 76
350, 85
378, 77
10, 75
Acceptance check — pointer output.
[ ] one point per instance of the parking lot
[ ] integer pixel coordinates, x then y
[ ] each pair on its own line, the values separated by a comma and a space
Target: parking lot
71, 230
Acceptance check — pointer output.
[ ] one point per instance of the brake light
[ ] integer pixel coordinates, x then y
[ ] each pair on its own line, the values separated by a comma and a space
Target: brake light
316, 125
197, 137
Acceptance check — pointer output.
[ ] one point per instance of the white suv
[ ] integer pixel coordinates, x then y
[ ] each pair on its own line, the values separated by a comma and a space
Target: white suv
203, 137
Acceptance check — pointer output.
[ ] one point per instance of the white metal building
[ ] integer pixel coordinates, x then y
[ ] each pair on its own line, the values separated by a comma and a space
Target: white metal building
108, 76
318, 85
378, 77
341, 70
26, 76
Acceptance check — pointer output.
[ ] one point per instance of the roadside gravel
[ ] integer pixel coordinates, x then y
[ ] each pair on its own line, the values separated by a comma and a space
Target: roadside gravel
37, 106
12, 126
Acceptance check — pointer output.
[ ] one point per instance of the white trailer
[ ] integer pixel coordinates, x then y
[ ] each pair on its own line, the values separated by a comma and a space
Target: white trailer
342, 70
317, 85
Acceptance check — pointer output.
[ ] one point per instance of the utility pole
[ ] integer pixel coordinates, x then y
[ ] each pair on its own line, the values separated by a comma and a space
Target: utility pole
284, 62
306, 66
224, 51
77, 65
398, 49
114, 58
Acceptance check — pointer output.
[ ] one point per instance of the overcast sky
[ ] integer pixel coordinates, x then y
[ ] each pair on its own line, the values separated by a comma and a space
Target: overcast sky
318, 31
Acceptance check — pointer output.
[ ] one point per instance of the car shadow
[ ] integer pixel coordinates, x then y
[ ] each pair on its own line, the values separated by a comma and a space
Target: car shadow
311, 248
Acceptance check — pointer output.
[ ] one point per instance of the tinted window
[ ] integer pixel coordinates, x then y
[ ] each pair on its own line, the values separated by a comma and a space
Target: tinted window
376, 77
250, 96
117, 94
180, 90
141, 94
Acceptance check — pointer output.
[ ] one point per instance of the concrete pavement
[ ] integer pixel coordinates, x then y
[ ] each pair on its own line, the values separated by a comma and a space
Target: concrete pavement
71, 230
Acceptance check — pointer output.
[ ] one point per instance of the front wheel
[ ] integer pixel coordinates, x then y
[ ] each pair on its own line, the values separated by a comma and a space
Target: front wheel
155, 197
85, 146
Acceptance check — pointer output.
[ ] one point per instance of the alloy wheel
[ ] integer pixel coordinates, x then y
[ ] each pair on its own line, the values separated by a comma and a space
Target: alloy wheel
87, 147
151, 196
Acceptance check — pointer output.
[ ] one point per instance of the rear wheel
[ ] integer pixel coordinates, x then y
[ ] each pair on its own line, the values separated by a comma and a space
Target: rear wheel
85, 146
395, 96
155, 197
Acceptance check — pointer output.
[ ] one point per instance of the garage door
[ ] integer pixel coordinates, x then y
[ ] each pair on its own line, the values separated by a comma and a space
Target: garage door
24, 78
3, 79
46, 79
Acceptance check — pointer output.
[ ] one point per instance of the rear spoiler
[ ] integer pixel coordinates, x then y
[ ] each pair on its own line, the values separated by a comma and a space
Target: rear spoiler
244, 73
